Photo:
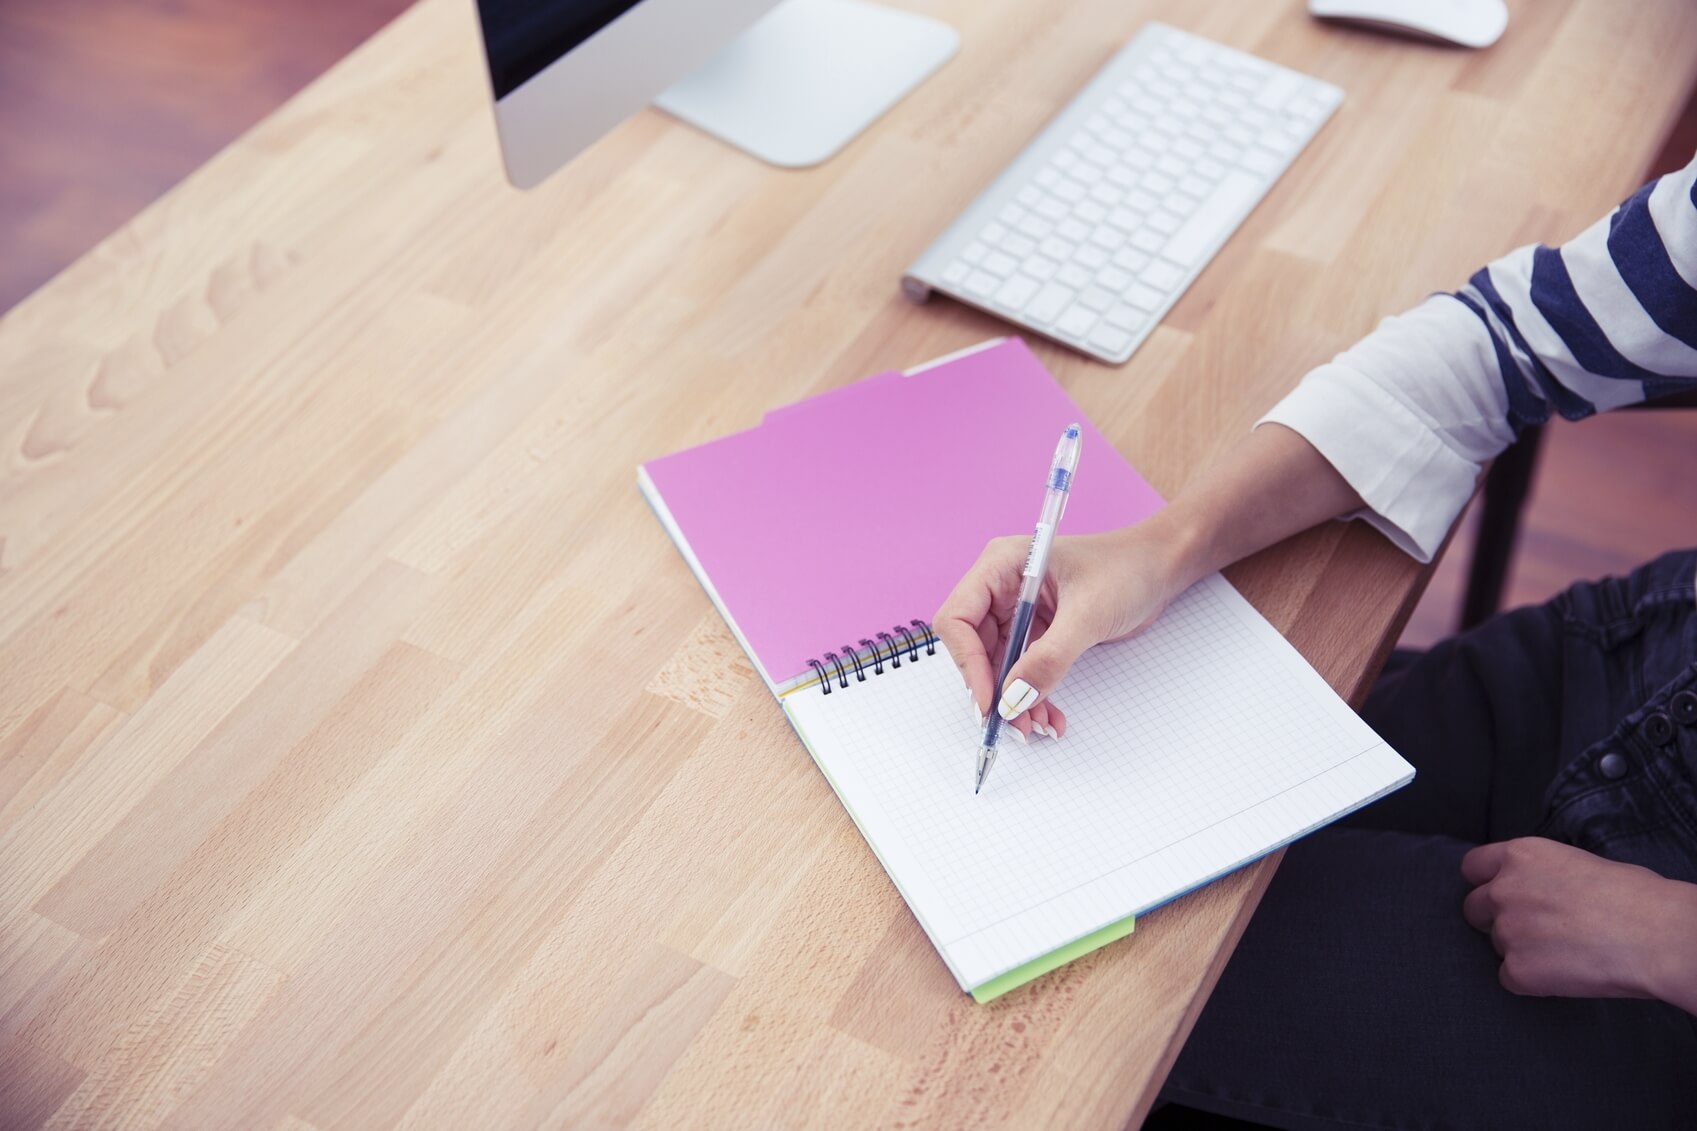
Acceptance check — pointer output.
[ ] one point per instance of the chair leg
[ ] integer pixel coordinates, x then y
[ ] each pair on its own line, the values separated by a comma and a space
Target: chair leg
1507, 484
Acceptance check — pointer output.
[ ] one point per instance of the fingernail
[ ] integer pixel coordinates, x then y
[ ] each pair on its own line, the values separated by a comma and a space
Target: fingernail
1019, 734
1017, 698
1048, 731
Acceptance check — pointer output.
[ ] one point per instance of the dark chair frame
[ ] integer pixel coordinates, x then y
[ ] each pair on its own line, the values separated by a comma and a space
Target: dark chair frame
1502, 500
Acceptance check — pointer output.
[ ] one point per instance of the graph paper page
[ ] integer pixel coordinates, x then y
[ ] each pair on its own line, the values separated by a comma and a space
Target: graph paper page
1192, 749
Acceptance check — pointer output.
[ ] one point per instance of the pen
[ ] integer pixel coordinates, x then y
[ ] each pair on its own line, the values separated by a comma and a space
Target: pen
1061, 471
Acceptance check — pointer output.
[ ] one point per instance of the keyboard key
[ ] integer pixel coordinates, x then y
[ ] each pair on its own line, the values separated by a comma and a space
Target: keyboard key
1052, 209
1096, 299
1036, 228
1110, 340
1064, 160
955, 273
1070, 191
993, 234
1011, 214
1145, 240
975, 252
1039, 268
1077, 321
1140, 201
1016, 292
1260, 161
1171, 165
1225, 151
1108, 238
1072, 229
999, 264
1049, 303
1127, 317
1090, 257
1305, 109
1158, 183
1073, 275
1123, 176
1028, 195
1105, 193
1019, 246
1209, 169
1188, 149
1086, 174
1277, 90
1181, 205
982, 283
1047, 177
1090, 212
1195, 186
1113, 279
1230, 197
1161, 275
1125, 219
1057, 249
1143, 297
1131, 259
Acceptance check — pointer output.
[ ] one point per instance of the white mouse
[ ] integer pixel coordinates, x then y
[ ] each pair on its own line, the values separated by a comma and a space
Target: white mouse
1469, 23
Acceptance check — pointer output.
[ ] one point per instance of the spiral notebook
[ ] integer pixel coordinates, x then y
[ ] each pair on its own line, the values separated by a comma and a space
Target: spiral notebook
829, 533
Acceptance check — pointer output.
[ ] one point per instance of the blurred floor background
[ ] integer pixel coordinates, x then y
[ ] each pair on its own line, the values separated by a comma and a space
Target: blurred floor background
105, 104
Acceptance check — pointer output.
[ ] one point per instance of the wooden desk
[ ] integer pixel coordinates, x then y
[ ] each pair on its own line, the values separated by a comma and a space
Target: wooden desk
368, 755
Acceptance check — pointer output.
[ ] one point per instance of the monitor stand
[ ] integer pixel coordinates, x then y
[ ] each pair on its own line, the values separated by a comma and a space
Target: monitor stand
802, 82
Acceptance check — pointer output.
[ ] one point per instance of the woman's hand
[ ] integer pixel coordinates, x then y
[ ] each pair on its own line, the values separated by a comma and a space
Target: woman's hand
1571, 924
1098, 587
1270, 485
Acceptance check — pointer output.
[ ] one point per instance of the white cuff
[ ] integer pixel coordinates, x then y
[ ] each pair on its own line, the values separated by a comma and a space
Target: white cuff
1414, 486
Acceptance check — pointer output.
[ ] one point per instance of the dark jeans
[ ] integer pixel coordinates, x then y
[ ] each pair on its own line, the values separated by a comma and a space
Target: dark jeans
1360, 998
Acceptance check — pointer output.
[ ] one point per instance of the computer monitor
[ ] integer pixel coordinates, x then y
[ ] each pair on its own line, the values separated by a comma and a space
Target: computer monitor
791, 83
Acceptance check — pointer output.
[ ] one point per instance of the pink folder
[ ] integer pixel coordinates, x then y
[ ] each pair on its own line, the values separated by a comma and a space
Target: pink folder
858, 510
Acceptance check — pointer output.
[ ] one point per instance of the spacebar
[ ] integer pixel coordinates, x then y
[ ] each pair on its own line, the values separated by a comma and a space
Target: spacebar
1199, 234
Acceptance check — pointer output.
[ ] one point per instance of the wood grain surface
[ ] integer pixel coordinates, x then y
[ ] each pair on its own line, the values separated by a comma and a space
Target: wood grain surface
368, 756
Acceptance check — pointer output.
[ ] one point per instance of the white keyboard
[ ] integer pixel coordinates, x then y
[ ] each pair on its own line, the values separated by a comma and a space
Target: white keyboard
1094, 231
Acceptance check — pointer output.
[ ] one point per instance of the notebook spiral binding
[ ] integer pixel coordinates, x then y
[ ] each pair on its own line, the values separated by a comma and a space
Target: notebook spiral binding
884, 649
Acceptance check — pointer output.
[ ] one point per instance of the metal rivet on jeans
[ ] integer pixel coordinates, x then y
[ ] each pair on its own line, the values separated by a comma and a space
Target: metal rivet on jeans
1685, 708
1657, 729
1612, 766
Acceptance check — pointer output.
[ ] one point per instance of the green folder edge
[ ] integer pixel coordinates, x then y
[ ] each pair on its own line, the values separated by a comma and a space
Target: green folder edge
1019, 975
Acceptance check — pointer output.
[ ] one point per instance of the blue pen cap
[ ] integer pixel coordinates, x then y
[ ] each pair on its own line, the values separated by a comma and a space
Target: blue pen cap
1066, 459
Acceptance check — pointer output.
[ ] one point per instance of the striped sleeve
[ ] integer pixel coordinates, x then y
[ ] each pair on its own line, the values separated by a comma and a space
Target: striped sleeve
1411, 414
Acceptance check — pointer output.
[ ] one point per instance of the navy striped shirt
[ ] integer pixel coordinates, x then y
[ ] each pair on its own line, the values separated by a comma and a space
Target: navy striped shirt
1411, 414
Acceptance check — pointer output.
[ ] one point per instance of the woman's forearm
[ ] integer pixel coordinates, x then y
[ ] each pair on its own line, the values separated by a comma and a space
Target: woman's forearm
1271, 486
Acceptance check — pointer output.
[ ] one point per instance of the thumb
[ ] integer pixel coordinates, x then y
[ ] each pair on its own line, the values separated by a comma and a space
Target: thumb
1045, 663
